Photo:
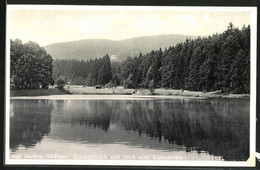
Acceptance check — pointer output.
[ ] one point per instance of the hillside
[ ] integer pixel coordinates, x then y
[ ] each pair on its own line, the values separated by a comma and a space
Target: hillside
97, 48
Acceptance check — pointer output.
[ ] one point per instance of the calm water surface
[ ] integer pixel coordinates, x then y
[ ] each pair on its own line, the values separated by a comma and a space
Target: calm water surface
174, 129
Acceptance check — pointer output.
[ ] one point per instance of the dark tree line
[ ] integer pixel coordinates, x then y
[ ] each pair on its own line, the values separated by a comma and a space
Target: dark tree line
31, 66
220, 61
90, 73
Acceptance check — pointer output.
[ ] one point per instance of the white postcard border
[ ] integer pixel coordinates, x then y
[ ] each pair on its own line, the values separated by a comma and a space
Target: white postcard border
253, 60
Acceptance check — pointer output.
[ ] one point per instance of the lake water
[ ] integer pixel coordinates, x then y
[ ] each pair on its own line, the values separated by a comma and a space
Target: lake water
147, 129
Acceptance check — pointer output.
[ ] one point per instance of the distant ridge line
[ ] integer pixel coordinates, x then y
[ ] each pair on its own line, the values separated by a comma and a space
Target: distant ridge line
188, 36
96, 48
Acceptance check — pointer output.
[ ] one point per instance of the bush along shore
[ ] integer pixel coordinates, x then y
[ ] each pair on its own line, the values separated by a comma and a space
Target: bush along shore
38, 92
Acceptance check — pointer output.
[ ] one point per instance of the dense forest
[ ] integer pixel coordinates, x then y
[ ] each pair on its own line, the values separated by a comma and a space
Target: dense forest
31, 66
220, 61
90, 73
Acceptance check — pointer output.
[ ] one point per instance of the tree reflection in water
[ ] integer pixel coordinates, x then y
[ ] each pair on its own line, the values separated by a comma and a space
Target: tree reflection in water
219, 127
29, 122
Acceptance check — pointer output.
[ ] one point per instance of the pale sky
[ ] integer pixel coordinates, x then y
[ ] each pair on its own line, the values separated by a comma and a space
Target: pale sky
51, 25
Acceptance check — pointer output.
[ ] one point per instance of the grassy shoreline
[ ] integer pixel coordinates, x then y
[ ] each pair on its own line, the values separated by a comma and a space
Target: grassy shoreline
80, 90
157, 92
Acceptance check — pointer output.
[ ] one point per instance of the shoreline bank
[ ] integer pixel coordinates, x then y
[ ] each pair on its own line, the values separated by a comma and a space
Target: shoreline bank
73, 91
157, 92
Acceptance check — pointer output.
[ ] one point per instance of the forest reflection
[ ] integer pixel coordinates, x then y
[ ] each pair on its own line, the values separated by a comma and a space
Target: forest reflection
219, 127
29, 122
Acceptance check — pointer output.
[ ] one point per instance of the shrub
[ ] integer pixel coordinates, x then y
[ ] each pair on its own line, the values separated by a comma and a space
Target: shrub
60, 84
110, 85
128, 84
151, 86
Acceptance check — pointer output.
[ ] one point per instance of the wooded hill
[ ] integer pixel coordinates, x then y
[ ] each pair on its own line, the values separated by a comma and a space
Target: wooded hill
96, 48
220, 61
